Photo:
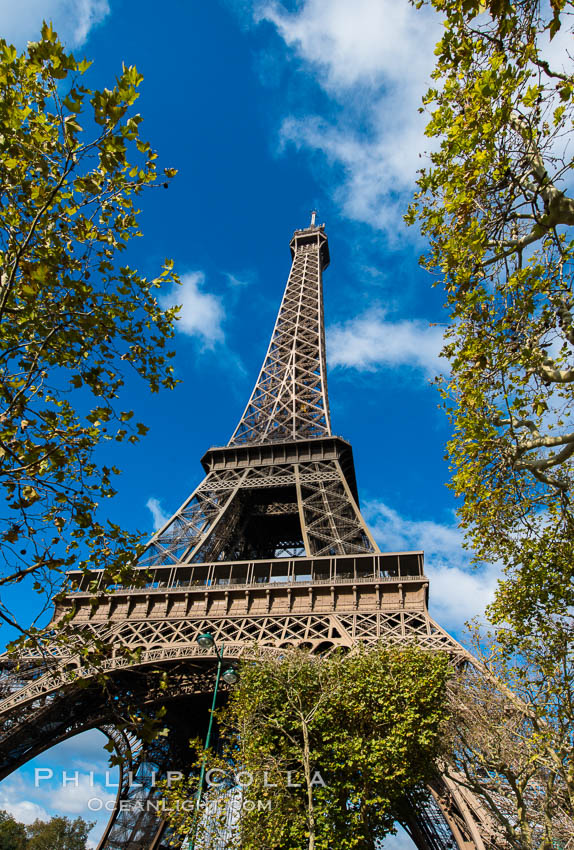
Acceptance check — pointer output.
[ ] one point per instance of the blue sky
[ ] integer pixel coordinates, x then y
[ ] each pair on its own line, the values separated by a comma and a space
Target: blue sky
268, 110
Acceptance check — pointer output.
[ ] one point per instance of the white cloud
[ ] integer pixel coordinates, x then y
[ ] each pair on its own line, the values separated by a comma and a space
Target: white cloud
238, 282
159, 515
24, 811
27, 801
458, 595
395, 533
72, 19
374, 57
370, 341
73, 799
366, 41
458, 592
85, 751
201, 313
62, 794
378, 168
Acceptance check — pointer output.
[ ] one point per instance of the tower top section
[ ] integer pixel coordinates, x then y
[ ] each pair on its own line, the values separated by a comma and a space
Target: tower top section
312, 237
289, 401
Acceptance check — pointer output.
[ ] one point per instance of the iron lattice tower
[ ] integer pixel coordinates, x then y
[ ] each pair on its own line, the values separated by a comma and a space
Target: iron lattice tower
270, 548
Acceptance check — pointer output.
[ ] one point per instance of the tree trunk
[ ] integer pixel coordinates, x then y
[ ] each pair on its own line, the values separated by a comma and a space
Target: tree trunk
307, 770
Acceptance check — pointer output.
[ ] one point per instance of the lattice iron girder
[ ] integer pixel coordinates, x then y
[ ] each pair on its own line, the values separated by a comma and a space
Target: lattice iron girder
35, 726
186, 532
429, 824
289, 400
276, 508
332, 521
283, 477
129, 750
42, 729
450, 818
204, 526
153, 634
165, 641
134, 824
136, 781
292, 453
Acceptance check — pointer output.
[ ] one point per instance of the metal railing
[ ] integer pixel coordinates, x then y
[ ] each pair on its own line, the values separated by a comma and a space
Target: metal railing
219, 584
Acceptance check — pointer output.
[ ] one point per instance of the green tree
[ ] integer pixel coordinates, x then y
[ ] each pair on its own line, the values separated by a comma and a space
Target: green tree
74, 322
12, 833
59, 833
497, 206
330, 744
496, 203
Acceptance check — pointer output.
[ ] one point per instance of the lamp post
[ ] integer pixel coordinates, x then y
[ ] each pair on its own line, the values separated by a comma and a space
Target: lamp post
231, 676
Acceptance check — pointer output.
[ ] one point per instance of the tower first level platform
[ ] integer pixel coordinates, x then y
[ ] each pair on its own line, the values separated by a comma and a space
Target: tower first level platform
317, 603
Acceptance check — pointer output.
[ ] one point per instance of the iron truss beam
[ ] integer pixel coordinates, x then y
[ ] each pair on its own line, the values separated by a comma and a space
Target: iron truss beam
289, 400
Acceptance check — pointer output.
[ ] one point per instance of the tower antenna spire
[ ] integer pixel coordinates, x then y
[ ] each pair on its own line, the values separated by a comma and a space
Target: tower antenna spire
289, 400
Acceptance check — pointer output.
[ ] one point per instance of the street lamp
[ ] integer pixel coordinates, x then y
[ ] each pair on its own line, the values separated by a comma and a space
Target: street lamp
206, 640
231, 677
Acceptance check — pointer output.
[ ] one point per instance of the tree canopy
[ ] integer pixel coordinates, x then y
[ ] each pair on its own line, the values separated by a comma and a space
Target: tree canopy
328, 748
12, 833
498, 208
59, 833
497, 204
510, 739
74, 321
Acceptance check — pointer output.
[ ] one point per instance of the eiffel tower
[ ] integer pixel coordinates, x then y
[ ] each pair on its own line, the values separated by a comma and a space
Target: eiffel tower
271, 548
